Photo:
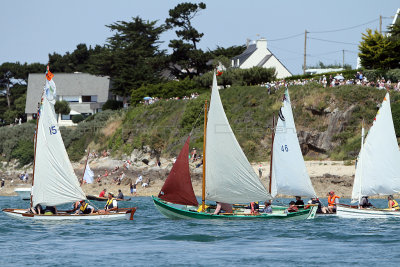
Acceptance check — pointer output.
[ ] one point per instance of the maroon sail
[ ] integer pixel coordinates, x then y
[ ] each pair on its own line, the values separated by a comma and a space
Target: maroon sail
178, 187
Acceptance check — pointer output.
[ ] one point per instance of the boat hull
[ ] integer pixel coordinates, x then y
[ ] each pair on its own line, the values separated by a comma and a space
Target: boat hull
190, 212
23, 214
352, 212
23, 193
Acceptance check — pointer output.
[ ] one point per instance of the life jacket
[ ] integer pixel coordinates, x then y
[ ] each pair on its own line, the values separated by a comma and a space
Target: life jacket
331, 200
395, 205
109, 204
84, 209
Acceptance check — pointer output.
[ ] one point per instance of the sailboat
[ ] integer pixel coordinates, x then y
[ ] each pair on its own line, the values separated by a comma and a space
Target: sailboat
289, 172
54, 181
378, 168
227, 176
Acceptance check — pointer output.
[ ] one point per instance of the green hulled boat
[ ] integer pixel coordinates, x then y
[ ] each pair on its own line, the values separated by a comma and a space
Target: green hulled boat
228, 177
175, 211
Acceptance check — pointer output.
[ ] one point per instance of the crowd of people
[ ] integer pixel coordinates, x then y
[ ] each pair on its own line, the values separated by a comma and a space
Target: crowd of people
333, 81
152, 100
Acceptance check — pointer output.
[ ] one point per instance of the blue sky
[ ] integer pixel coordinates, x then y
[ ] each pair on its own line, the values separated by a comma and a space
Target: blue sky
30, 30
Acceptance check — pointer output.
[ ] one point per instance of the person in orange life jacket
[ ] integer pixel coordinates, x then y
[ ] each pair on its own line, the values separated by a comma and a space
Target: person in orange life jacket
84, 208
333, 200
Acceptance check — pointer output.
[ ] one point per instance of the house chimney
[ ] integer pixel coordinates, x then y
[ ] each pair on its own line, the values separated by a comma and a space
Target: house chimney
247, 42
261, 43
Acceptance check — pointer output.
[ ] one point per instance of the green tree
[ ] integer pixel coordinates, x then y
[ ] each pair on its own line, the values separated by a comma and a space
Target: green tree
131, 56
62, 107
376, 51
186, 59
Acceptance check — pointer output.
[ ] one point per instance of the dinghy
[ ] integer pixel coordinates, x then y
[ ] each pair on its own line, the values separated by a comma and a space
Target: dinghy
227, 177
23, 192
54, 181
378, 167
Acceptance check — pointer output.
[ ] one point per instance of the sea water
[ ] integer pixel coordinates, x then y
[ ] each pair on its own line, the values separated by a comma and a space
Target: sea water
153, 240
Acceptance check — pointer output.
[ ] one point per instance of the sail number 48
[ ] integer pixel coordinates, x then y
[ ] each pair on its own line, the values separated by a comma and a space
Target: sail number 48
53, 130
285, 148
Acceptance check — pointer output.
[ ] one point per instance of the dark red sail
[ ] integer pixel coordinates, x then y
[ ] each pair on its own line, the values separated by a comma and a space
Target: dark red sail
178, 187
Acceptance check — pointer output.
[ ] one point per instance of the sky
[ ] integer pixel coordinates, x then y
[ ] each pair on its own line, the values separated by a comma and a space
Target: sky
30, 30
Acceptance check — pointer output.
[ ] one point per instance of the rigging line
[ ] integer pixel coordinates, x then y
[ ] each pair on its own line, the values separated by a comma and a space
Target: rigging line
331, 41
348, 28
326, 53
285, 38
195, 123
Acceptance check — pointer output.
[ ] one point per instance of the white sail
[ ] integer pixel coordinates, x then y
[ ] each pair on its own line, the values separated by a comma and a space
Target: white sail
229, 175
88, 175
289, 172
55, 182
378, 168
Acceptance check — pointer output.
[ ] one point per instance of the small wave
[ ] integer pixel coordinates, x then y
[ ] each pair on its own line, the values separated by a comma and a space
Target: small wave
194, 238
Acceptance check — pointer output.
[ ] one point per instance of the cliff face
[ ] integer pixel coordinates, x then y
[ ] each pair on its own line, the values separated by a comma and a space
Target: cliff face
322, 142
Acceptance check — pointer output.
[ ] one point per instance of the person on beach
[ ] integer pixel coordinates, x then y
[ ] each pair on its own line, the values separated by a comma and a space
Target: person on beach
392, 203
84, 208
299, 202
223, 208
102, 193
364, 203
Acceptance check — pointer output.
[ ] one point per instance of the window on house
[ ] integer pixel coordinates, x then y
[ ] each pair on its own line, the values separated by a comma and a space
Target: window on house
89, 98
66, 117
71, 99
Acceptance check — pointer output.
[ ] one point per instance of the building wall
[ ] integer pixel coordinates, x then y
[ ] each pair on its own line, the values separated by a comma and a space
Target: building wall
281, 71
259, 54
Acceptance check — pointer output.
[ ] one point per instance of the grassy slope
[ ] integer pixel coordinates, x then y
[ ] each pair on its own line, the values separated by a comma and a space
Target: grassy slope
165, 125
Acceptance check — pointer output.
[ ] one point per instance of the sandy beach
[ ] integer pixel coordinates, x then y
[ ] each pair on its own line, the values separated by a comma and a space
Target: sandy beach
325, 176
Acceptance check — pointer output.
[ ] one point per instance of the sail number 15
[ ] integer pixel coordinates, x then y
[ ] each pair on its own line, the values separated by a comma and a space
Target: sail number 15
53, 130
284, 148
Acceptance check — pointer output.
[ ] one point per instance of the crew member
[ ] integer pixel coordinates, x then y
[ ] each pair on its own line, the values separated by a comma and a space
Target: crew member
333, 200
392, 203
111, 203
299, 202
85, 208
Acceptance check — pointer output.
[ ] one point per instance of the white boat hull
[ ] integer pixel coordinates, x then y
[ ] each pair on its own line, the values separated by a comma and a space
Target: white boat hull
23, 193
23, 214
349, 212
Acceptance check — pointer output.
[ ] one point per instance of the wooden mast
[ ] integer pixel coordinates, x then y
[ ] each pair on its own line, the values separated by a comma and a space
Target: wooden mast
35, 140
272, 152
87, 159
203, 193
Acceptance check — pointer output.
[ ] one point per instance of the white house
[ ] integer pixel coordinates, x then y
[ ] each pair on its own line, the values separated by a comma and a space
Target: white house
84, 92
258, 55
